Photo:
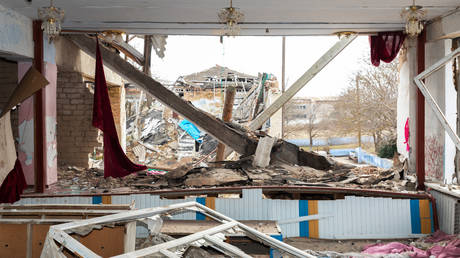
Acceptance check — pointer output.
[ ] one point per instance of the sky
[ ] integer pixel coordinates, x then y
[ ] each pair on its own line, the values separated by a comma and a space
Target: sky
252, 55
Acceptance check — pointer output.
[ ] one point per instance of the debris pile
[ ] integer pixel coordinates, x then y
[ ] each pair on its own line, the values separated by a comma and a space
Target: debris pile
186, 174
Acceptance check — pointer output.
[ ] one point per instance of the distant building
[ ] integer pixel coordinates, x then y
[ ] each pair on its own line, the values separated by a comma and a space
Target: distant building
301, 110
206, 89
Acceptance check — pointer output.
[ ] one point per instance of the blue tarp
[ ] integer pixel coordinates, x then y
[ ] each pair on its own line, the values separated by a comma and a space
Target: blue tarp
191, 129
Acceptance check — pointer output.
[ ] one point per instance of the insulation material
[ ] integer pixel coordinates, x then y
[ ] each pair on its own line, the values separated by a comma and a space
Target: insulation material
7, 148
32, 81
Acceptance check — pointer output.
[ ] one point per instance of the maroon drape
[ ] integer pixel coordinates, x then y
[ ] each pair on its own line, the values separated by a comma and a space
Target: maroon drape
116, 164
13, 185
385, 46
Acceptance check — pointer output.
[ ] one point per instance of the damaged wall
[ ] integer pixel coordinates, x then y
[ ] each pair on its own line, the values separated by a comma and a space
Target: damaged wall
16, 31
77, 138
8, 82
439, 149
26, 120
117, 102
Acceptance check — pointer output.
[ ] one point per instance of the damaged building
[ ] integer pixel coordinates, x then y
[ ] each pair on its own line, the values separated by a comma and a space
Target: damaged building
100, 159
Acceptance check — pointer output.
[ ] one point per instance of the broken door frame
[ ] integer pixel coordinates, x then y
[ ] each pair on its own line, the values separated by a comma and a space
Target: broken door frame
60, 233
429, 98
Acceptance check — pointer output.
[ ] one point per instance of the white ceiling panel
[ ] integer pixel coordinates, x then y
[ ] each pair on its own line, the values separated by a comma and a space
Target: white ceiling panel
199, 17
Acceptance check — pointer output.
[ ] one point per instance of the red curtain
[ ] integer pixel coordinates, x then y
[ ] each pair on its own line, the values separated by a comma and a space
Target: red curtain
116, 164
13, 185
385, 46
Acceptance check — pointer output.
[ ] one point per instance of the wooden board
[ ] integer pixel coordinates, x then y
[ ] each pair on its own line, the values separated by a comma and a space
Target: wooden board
66, 207
105, 242
13, 240
187, 227
38, 238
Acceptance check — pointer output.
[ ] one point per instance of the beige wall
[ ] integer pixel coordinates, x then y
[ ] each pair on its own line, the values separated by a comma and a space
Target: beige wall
76, 137
70, 58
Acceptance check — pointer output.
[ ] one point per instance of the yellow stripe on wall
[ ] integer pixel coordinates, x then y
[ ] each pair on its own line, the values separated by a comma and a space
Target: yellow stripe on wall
106, 199
210, 203
425, 218
313, 225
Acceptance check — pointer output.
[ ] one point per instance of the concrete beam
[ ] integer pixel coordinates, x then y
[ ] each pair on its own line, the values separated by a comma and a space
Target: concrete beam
445, 28
16, 42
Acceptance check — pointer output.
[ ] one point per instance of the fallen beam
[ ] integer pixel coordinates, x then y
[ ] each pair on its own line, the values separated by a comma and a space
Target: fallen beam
236, 140
129, 51
301, 82
226, 116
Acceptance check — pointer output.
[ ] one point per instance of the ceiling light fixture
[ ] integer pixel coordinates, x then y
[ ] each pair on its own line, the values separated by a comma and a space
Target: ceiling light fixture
51, 17
346, 34
231, 17
413, 15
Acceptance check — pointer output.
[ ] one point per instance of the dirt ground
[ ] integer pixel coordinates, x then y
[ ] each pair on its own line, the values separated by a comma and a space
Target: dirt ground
341, 246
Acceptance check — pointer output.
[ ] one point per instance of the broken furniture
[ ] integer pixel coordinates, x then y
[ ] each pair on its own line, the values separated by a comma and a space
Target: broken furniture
23, 228
211, 237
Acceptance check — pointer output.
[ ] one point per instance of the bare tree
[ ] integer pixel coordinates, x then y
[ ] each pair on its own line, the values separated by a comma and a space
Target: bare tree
374, 111
312, 124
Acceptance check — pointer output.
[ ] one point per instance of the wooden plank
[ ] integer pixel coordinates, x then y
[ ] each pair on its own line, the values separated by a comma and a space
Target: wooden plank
179, 241
29, 241
66, 207
187, 227
128, 50
301, 82
13, 240
105, 242
147, 54
236, 140
58, 212
125, 216
226, 116
38, 239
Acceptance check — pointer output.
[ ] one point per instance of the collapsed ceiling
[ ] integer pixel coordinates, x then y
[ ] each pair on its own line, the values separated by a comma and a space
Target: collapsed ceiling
262, 17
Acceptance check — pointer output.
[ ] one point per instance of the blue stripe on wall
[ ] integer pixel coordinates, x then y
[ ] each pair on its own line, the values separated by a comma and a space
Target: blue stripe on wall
415, 217
432, 219
201, 200
303, 211
97, 199
278, 237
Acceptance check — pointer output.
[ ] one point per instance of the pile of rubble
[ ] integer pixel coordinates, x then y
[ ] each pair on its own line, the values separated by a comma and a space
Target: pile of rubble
187, 174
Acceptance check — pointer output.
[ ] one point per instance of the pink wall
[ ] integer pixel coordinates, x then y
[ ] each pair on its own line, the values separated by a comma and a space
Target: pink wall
26, 130
49, 98
26, 127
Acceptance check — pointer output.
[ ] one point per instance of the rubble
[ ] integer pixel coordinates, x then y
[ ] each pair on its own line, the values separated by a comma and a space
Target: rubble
187, 174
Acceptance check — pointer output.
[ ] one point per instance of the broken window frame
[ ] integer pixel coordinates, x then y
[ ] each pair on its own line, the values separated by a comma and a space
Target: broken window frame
60, 233
429, 98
